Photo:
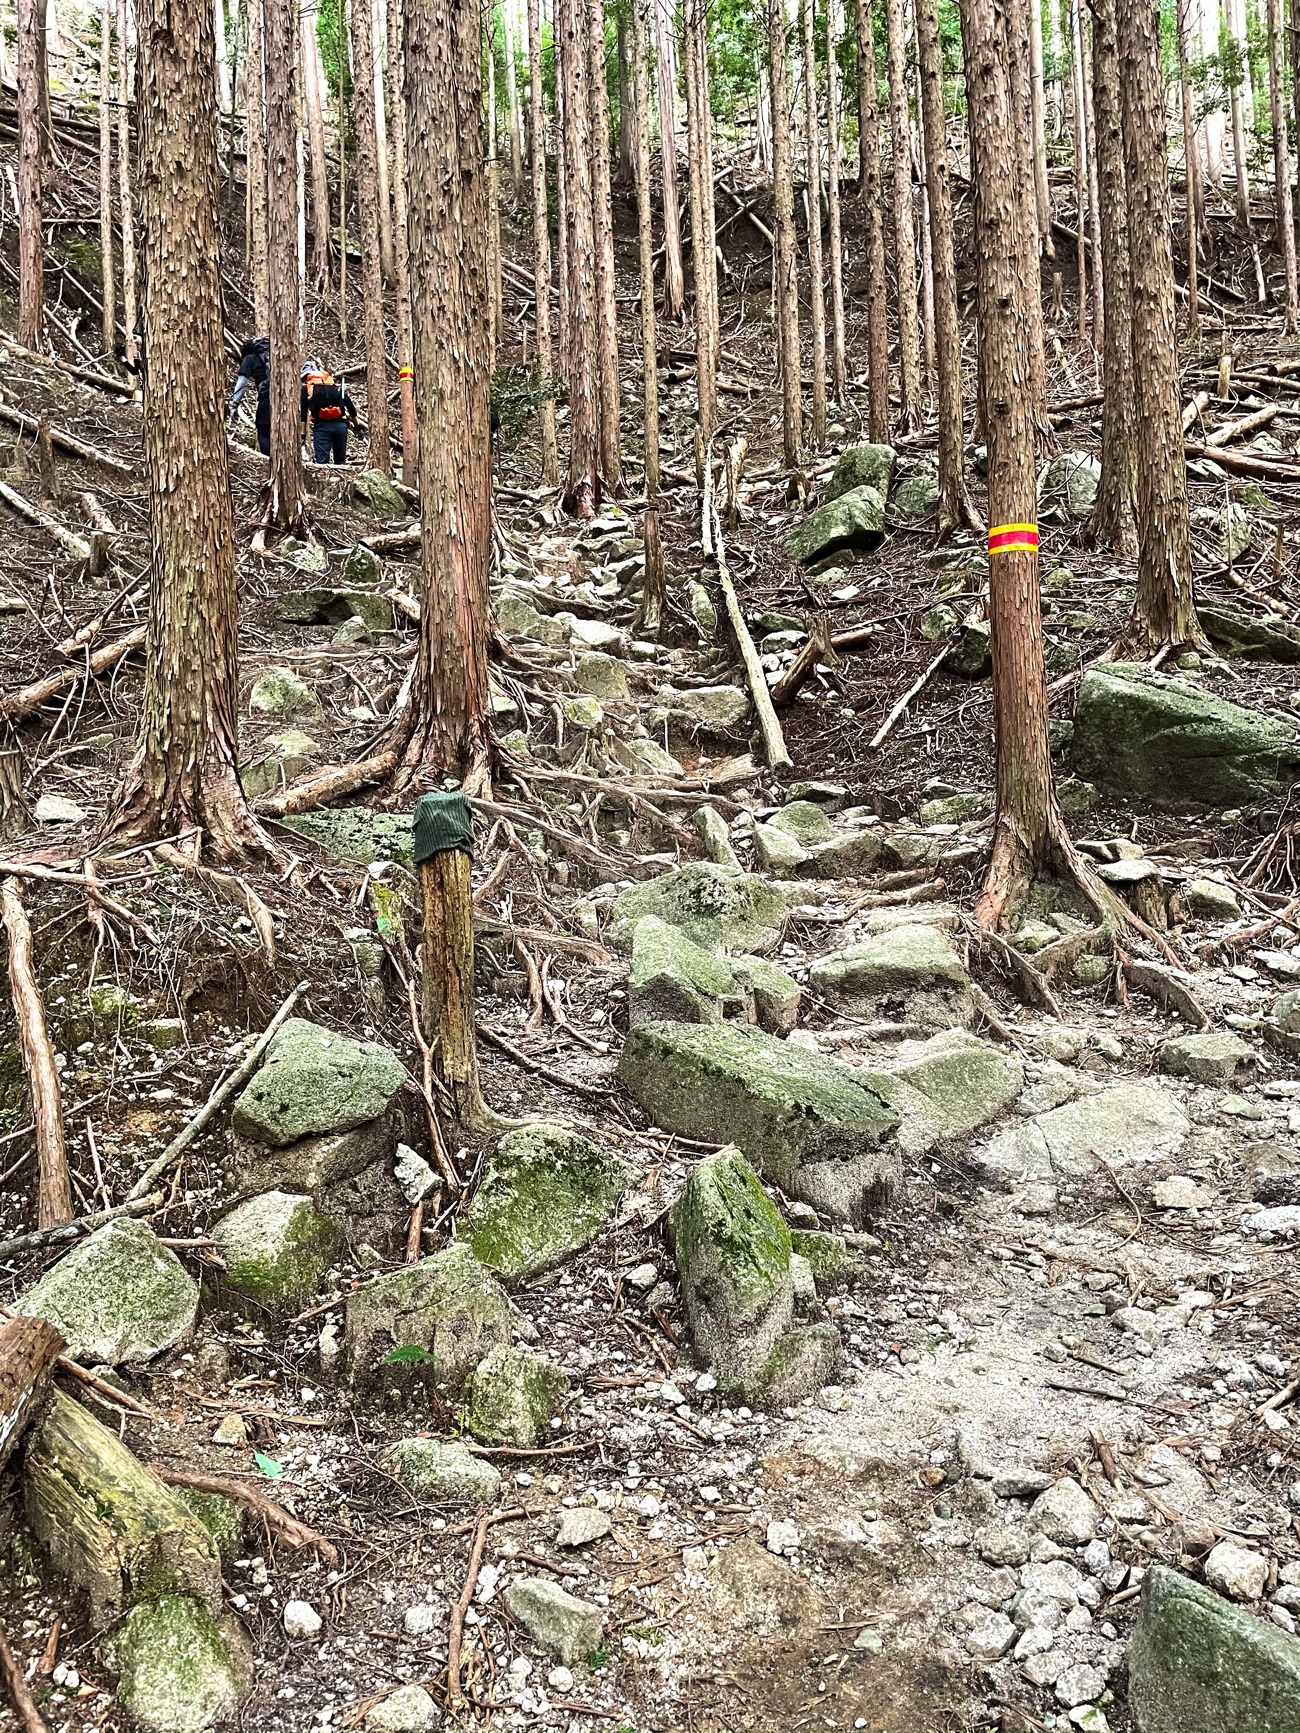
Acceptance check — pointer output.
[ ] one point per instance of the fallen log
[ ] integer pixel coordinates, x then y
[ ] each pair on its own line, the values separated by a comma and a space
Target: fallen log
817, 651
28, 699
68, 442
1239, 429
29, 1349
15, 1682
87, 374
74, 545
108, 1522
768, 724
53, 1189
1261, 468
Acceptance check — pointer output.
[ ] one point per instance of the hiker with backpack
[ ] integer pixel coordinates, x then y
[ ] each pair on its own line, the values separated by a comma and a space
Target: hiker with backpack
255, 369
326, 404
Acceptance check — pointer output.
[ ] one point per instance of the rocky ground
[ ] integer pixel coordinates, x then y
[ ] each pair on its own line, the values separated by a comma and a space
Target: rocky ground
863, 1311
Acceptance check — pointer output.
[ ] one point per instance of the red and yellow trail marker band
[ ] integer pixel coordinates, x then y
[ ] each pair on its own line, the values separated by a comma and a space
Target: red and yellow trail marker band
406, 373
1013, 539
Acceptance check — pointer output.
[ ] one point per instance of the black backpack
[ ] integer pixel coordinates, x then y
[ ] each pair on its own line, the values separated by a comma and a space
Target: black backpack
325, 400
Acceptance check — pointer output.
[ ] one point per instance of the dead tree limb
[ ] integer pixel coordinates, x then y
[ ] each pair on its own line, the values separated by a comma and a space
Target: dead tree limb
769, 725
53, 1189
74, 545
29, 1716
284, 1527
28, 699
68, 442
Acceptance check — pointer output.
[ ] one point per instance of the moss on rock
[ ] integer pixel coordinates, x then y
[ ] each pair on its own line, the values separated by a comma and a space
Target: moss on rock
275, 1248
180, 1670
119, 1298
313, 1082
430, 1468
716, 909
545, 1194
513, 1396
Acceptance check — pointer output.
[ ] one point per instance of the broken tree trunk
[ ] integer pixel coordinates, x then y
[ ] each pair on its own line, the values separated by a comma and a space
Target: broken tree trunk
768, 724
108, 1522
443, 839
29, 1348
53, 1191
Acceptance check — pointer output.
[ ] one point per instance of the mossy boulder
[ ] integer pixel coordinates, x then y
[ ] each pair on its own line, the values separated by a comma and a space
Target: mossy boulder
1198, 1664
448, 1473
1210, 1057
855, 519
377, 493
315, 1081
331, 607
546, 1192
917, 496
909, 974
280, 692
584, 714
517, 615
805, 821
291, 755
179, 1669
222, 1517
966, 1082
1069, 485
119, 1298
513, 1396
829, 1256
776, 996
427, 1325
733, 1262
862, 466
357, 834
778, 852
1156, 735
674, 978
1246, 635
362, 569
717, 909
312, 1165
710, 709
953, 808
805, 1122
602, 676
572, 1629
275, 1248
971, 656
303, 556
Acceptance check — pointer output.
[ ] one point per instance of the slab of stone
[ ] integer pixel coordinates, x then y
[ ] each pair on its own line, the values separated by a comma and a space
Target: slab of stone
280, 692
717, 909
715, 835
1154, 734
275, 1248
917, 495
855, 519
426, 1325
734, 1264
315, 1081
1198, 1664
807, 1123
776, 996
517, 615
582, 1525
355, 833
673, 978
777, 851
119, 1298
1247, 635
805, 821
966, 1081
311, 1165
569, 1627
430, 1468
375, 490
330, 607
512, 1396
909, 974
545, 1193
862, 466
602, 676
1180, 1192
1208, 900
1237, 1571
1069, 483
408, 1709
717, 709
179, 1669
1212, 1057
1130, 1122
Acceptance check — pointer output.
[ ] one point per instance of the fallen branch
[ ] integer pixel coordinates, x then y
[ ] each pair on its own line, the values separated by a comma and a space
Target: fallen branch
284, 1527
600, 1090
1236, 464
72, 1230
102, 380
67, 442
1239, 429
28, 699
331, 783
923, 679
393, 540
24, 1704
219, 1096
818, 651
456, 1623
768, 724
71, 544
1196, 407
53, 1188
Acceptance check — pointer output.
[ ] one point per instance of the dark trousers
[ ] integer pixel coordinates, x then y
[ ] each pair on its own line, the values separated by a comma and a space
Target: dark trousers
329, 441
264, 430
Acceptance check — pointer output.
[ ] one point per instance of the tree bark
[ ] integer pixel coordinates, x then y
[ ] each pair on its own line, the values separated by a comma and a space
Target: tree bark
784, 256
449, 306
184, 773
1164, 611
31, 236
1080, 143
1031, 241
627, 118
1113, 522
53, 1190
512, 104
666, 87
816, 265
286, 504
645, 237
401, 248
372, 277
872, 198
29, 1348
314, 110
1038, 116
1192, 171
582, 494
541, 247
383, 189
108, 279
1281, 161
1027, 825
258, 216
1240, 157
1094, 202
493, 184
839, 368
611, 456
447, 979
909, 349
125, 195
704, 264
955, 508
